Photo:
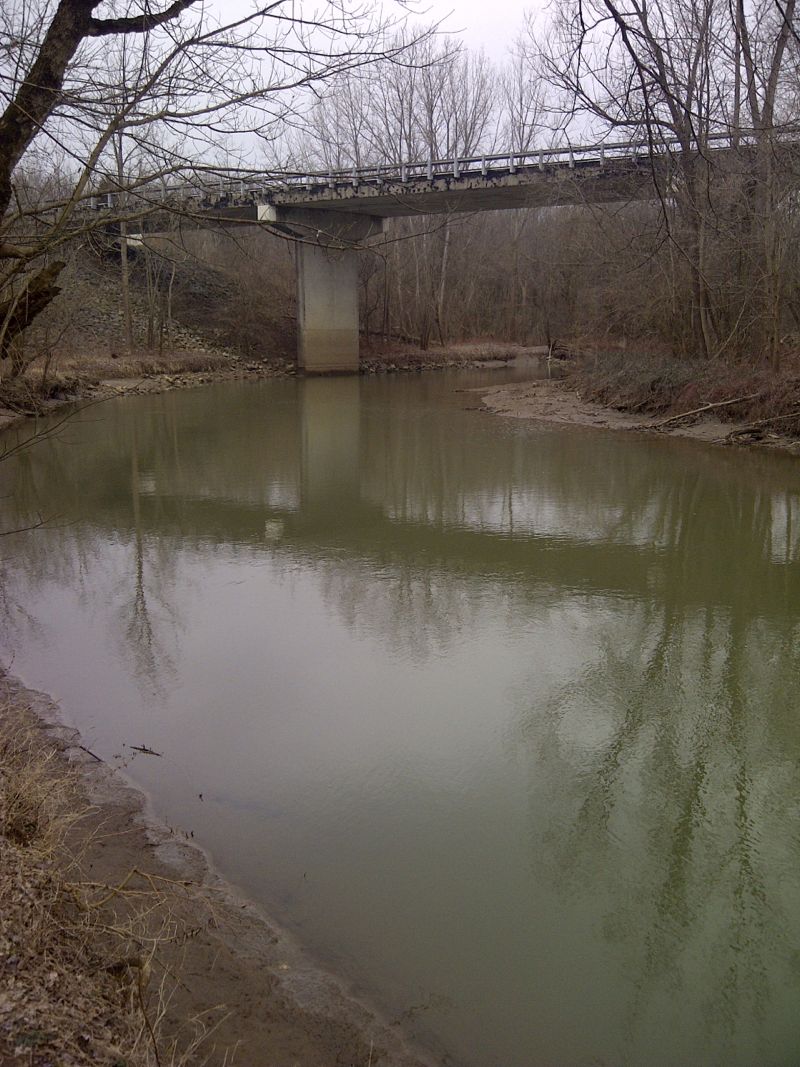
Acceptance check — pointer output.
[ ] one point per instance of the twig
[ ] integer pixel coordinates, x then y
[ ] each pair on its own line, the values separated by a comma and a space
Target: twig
89, 752
141, 983
742, 430
698, 411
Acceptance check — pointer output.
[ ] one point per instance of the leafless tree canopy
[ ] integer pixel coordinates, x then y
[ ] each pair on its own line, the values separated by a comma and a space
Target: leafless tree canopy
119, 94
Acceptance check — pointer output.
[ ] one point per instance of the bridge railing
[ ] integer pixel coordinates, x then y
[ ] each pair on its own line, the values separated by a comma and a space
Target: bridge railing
242, 186
570, 156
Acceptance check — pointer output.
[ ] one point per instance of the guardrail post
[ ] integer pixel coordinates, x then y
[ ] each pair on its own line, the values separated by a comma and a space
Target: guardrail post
331, 182
456, 168
602, 157
430, 170
571, 160
483, 166
512, 166
541, 161
403, 173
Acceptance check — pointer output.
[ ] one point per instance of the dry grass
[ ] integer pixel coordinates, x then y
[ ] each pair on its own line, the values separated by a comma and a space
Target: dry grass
491, 350
83, 977
654, 383
394, 355
104, 364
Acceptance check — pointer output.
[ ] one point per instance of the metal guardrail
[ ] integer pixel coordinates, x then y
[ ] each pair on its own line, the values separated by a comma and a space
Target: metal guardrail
240, 186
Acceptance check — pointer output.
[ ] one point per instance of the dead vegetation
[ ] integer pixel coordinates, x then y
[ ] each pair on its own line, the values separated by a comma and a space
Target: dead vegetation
86, 967
757, 399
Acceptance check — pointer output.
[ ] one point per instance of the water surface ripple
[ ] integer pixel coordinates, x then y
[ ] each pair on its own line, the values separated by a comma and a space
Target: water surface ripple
501, 719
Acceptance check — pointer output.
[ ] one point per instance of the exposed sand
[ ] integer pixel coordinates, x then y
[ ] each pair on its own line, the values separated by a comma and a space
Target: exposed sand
556, 401
274, 1007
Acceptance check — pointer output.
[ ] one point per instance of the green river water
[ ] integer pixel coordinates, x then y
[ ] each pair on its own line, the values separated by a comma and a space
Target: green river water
502, 720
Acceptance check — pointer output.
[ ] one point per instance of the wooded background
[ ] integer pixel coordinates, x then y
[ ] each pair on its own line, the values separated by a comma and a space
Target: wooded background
706, 270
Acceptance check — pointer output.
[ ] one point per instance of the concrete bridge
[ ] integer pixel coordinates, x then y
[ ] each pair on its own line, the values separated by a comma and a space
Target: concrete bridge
332, 214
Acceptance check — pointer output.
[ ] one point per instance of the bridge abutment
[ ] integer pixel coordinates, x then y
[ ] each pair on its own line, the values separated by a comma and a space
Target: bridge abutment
327, 283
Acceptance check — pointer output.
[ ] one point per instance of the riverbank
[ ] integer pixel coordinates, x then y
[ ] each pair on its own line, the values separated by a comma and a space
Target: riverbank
119, 944
560, 401
94, 378
102, 378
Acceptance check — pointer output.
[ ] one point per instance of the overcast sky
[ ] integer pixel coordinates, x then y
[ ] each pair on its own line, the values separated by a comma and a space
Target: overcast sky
491, 25
488, 24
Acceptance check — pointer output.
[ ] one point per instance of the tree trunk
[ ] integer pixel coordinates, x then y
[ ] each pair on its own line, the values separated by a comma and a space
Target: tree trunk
18, 312
443, 286
124, 284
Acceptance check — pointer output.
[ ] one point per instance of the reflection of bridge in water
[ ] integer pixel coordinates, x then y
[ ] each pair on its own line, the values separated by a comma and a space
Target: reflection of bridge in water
337, 471
535, 516
650, 603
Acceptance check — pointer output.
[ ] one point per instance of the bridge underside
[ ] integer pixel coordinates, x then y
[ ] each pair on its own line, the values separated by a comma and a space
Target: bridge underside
332, 221
585, 183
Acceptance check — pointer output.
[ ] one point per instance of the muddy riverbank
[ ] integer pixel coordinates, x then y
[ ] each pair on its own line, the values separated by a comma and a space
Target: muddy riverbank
221, 981
559, 402
97, 379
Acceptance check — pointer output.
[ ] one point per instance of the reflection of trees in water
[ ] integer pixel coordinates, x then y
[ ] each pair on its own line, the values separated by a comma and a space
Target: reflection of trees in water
681, 806
73, 551
149, 604
15, 618
566, 511
591, 487
420, 612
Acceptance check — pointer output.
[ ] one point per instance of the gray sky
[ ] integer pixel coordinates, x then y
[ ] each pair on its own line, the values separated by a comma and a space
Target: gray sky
489, 25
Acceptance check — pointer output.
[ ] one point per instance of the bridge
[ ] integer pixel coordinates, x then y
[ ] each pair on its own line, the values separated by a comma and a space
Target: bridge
332, 214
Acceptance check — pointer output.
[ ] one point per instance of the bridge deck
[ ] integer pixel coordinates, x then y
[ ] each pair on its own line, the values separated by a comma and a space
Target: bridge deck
580, 182
595, 174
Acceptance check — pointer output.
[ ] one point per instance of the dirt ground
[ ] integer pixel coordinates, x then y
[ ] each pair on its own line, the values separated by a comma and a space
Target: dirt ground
557, 401
229, 984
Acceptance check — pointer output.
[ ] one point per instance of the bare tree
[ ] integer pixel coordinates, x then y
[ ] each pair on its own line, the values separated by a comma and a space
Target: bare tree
680, 75
171, 85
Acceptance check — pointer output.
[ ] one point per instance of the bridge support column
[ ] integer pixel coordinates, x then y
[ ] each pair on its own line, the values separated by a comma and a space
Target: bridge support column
327, 310
327, 283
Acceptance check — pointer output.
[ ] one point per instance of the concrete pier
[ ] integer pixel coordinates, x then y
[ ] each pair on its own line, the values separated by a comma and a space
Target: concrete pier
327, 283
327, 310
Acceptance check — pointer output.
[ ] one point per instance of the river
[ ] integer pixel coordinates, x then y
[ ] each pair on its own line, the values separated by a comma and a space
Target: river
500, 719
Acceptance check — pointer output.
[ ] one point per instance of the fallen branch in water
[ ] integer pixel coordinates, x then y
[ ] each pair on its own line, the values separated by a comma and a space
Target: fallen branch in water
146, 750
697, 411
